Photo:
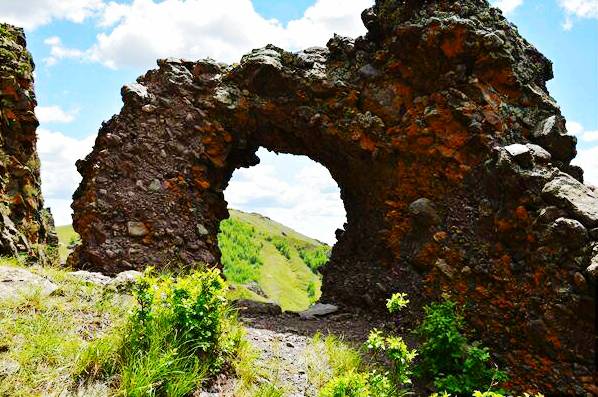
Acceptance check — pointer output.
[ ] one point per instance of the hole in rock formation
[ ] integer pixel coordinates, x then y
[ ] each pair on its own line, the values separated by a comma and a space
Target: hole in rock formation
282, 239
451, 156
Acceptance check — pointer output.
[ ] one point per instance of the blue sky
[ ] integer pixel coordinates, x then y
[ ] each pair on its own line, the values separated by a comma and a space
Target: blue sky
85, 50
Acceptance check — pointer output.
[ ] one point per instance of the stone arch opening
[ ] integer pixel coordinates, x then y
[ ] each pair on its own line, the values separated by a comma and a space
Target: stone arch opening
280, 241
452, 158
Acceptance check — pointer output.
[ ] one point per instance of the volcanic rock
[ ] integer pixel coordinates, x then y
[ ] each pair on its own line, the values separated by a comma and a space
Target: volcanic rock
416, 122
25, 226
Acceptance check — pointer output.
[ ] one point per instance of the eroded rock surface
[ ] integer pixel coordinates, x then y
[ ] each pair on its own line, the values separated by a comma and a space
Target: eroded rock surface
24, 223
452, 159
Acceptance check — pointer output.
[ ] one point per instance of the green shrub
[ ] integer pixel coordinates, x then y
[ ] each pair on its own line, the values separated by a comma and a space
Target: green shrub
177, 336
282, 246
394, 348
456, 365
397, 302
315, 258
351, 384
240, 252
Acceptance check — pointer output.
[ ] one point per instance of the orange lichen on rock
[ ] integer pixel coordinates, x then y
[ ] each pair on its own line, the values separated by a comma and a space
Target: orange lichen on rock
452, 160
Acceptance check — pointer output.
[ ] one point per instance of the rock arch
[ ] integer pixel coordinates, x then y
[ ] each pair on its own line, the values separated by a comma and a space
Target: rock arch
452, 159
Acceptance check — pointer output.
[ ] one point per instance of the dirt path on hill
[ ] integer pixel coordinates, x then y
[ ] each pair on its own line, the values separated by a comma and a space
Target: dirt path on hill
282, 343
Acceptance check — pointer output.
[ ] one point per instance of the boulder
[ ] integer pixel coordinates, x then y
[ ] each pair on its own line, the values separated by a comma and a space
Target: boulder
570, 194
15, 282
318, 310
91, 277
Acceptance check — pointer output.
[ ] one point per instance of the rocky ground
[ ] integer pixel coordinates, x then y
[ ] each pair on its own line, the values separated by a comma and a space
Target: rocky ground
284, 344
286, 355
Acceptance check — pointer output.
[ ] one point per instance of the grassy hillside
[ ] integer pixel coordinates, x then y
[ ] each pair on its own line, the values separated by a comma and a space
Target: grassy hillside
264, 259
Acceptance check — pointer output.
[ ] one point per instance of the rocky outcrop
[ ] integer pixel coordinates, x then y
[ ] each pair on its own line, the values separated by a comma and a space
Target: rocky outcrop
25, 226
452, 159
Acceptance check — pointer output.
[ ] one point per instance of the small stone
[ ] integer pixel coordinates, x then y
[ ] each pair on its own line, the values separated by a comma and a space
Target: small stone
521, 153
445, 268
91, 277
155, 185
466, 270
570, 231
137, 229
248, 306
201, 229
124, 281
319, 309
424, 211
9, 367
580, 281
148, 108
134, 91
539, 154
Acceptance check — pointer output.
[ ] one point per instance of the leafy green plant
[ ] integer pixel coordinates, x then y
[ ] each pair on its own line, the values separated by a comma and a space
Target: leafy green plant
315, 258
394, 347
240, 252
351, 384
397, 302
398, 353
456, 365
178, 334
282, 246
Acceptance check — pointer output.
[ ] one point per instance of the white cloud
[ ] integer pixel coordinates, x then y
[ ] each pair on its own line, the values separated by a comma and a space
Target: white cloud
580, 132
579, 9
54, 114
507, 6
58, 154
145, 30
587, 157
59, 51
588, 160
307, 201
32, 14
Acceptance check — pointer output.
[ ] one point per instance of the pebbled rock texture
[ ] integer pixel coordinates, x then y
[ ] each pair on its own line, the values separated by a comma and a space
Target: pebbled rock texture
25, 226
452, 159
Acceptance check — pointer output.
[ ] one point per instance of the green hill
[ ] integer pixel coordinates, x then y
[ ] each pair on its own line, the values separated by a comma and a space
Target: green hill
263, 260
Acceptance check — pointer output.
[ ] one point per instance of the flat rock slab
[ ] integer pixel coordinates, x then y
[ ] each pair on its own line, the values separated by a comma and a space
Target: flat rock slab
318, 310
15, 282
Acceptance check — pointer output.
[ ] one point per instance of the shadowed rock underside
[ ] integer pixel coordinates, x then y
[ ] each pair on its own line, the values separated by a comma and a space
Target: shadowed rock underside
452, 159
25, 226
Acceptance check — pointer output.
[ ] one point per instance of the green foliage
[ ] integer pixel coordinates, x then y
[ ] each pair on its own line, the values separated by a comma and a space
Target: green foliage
282, 246
394, 348
257, 250
351, 384
316, 257
240, 251
484, 394
177, 335
312, 292
397, 302
397, 353
49, 335
456, 365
